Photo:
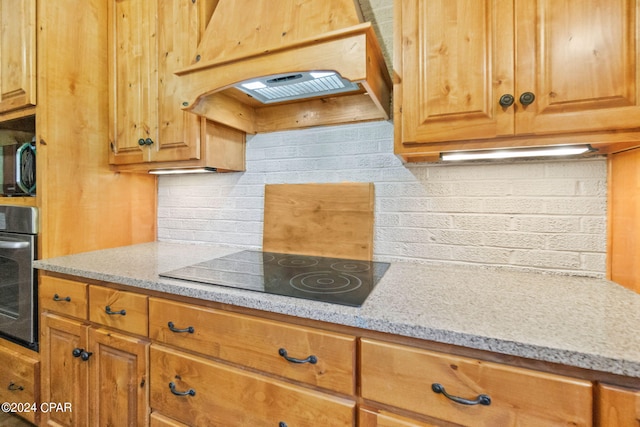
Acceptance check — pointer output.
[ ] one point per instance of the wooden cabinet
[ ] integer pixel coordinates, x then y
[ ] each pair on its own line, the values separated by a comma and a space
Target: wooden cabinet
459, 60
17, 54
148, 41
624, 219
470, 392
20, 376
618, 407
380, 418
201, 392
102, 373
257, 343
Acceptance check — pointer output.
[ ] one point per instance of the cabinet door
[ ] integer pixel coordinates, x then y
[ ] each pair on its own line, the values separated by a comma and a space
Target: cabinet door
17, 54
133, 77
457, 61
178, 36
65, 377
118, 379
618, 407
580, 60
149, 41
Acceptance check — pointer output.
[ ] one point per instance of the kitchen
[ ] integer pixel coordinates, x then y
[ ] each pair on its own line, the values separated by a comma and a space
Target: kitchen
534, 215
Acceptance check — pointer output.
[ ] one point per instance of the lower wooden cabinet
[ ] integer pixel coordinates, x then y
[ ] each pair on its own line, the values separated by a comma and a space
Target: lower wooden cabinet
20, 381
202, 392
618, 407
102, 375
259, 344
470, 392
178, 364
375, 418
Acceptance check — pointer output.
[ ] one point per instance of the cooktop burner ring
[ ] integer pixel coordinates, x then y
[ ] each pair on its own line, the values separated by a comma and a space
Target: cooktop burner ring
325, 282
350, 266
297, 262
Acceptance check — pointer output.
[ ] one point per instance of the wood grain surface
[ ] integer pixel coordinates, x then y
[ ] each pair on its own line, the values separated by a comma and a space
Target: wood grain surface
332, 220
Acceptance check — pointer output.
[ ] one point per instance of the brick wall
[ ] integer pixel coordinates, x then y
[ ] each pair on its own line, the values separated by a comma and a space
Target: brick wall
547, 215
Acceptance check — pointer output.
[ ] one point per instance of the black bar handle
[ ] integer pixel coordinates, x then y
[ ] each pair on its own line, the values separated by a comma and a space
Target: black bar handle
482, 399
14, 387
190, 392
56, 297
107, 310
311, 359
173, 328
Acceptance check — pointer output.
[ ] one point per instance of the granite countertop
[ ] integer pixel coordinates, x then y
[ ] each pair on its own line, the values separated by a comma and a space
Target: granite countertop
576, 321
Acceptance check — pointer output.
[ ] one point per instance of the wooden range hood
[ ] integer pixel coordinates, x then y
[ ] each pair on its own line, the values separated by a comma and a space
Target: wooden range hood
246, 39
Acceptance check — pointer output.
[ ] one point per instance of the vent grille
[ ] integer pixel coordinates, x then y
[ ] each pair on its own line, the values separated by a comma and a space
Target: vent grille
296, 86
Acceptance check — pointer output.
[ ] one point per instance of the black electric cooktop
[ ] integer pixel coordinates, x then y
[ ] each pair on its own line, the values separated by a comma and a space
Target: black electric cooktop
334, 280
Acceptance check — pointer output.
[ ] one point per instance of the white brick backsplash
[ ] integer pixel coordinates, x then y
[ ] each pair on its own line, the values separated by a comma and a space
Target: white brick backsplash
544, 215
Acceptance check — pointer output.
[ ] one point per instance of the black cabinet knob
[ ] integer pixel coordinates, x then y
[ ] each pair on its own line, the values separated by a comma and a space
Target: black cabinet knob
148, 141
527, 98
506, 100
141, 141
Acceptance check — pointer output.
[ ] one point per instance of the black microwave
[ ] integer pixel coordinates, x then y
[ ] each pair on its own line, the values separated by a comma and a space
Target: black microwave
18, 169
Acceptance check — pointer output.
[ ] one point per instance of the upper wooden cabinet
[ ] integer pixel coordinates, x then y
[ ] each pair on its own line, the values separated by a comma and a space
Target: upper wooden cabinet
148, 41
498, 73
17, 54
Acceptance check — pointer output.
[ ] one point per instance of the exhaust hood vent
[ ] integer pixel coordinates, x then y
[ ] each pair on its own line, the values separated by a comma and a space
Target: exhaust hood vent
288, 87
305, 63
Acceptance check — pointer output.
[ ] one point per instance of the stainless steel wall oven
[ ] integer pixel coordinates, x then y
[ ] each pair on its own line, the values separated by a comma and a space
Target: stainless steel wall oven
18, 287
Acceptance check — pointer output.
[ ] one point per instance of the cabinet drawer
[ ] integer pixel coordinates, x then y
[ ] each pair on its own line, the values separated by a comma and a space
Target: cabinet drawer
370, 418
403, 377
225, 396
63, 296
129, 310
159, 420
20, 381
618, 406
258, 343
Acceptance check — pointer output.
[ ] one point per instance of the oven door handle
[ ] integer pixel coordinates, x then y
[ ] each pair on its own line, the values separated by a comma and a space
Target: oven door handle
13, 245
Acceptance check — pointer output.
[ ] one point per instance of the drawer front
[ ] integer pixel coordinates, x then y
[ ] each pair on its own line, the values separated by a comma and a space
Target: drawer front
63, 296
618, 406
214, 394
371, 418
258, 343
403, 377
159, 420
129, 311
20, 382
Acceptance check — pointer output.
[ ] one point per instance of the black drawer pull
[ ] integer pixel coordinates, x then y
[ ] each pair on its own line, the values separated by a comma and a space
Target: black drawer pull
282, 424
56, 297
107, 310
482, 399
14, 387
173, 328
311, 359
190, 392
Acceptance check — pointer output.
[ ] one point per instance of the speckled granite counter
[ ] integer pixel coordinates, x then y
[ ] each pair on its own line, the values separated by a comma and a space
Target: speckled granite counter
576, 321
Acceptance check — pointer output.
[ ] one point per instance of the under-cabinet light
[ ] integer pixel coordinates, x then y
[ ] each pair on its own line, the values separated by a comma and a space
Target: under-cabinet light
567, 150
181, 171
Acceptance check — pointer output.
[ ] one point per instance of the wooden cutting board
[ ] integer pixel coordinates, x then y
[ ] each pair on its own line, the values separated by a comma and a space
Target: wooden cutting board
331, 220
